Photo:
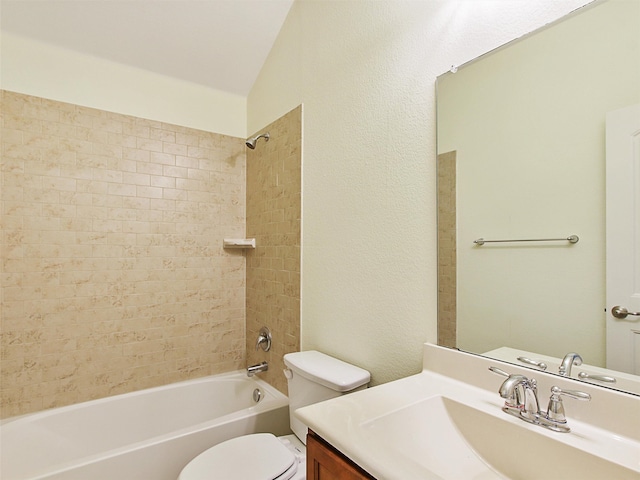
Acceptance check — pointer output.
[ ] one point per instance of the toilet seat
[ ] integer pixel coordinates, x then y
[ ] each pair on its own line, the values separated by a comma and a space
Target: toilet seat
260, 456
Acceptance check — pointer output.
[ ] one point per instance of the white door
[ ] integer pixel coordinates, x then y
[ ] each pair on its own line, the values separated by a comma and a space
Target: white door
623, 239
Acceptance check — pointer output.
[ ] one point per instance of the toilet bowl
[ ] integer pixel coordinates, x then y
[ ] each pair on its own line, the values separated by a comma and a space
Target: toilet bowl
311, 377
261, 456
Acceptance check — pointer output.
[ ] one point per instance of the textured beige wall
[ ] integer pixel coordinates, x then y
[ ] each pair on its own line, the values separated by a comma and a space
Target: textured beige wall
113, 272
365, 72
273, 268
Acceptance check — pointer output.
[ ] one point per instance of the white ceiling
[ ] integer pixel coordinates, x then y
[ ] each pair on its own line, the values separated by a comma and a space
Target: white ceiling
221, 44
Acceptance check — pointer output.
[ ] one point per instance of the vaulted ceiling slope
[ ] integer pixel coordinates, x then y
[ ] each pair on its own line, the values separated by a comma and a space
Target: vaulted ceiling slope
221, 44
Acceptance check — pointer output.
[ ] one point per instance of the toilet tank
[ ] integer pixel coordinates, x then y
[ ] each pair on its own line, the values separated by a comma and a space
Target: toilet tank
313, 377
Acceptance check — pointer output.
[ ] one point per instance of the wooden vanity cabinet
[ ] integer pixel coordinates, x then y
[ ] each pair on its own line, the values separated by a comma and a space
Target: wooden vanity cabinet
324, 462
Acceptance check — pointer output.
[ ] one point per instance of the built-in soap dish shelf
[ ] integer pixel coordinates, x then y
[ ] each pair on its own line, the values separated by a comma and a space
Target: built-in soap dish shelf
239, 243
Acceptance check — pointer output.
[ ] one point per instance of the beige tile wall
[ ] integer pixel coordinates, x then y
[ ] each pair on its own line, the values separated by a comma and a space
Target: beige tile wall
273, 268
113, 272
447, 323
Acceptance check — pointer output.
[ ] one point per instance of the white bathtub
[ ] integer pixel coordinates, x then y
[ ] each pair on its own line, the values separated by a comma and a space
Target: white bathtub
146, 435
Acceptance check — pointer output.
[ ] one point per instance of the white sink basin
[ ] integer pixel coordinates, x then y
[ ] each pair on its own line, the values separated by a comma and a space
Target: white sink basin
425, 433
447, 423
454, 440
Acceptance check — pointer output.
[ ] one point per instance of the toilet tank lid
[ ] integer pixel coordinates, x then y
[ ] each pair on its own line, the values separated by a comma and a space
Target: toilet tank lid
328, 371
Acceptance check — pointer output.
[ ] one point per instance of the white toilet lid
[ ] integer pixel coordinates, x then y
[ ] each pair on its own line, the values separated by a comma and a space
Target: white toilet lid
259, 456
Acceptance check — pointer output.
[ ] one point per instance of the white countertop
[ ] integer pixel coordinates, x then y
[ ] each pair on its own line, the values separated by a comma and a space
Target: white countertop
346, 422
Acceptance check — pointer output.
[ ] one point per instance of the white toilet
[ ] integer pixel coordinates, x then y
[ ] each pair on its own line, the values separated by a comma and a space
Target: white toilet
311, 377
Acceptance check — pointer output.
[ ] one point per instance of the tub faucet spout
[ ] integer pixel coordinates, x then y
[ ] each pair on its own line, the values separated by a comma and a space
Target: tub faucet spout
260, 367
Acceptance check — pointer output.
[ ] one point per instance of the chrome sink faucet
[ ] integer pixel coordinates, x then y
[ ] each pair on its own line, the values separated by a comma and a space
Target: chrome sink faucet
520, 394
569, 360
521, 400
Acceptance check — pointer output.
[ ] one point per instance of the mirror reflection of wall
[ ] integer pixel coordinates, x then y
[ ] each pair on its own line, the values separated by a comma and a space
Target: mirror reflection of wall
527, 124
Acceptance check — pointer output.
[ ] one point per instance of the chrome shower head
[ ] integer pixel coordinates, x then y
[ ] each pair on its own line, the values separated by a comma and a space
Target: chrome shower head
251, 142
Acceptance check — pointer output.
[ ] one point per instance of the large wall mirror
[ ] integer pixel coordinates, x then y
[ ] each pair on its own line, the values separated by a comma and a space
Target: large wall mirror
522, 155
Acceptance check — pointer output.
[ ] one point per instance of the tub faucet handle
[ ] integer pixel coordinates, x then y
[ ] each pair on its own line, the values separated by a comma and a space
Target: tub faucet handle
264, 339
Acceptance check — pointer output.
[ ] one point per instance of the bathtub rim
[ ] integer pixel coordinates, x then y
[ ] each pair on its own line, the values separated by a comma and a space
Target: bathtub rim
276, 400
96, 401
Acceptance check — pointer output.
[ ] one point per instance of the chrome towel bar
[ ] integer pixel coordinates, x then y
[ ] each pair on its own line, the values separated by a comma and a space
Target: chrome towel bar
570, 239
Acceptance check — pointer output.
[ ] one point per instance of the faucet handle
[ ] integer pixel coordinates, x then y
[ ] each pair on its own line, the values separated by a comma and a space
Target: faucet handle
599, 378
499, 371
578, 395
536, 363
264, 339
555, 410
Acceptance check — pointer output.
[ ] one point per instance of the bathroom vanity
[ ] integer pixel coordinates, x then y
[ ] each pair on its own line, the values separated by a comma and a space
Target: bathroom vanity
448, 422
324, 462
